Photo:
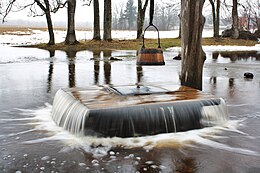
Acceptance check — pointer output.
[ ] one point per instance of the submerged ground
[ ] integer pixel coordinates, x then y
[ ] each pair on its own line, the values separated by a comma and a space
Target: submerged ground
31, 142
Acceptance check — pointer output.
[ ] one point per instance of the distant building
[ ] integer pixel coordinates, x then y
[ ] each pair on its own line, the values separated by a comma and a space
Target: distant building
248, 23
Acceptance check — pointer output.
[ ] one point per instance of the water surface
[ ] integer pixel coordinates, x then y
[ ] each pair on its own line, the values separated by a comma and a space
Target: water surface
31, 142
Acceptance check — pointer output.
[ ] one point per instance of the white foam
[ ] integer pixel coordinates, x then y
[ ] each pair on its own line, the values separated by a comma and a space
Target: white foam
101, 146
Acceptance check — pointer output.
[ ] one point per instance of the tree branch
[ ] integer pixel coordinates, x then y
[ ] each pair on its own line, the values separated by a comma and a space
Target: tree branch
8, 9
88, 4
59, 5
40, 5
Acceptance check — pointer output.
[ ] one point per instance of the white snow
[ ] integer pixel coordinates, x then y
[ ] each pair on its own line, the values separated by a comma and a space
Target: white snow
222, 48
38, 36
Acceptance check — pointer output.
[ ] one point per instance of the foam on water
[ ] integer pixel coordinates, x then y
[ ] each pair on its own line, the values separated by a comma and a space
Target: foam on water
100, 146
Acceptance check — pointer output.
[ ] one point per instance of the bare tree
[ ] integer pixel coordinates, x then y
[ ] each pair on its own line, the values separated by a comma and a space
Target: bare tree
251, 14
166, 15
71, 34
235, 31
117, 12
140, 17
47, 12
45, 7
96, 26
174, 14
107, 20
215, 5
193, 56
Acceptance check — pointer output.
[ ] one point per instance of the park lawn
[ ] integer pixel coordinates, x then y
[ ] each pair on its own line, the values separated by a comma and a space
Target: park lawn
135, 44
131, 44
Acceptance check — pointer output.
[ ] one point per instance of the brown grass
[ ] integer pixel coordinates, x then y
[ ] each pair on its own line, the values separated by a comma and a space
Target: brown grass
228, 41
10, 30
137, 44
120, 44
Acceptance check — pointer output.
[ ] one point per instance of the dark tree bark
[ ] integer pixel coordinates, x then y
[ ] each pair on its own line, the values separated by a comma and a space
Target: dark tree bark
140, 17
47, 11
49, 23
96, 28
71, 35
193, 56
179, 15
235, 33
215, 16
216, 31
107, 20
257, 22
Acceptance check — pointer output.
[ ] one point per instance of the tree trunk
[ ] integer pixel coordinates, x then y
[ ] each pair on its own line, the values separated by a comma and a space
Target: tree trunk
235, 33
193, 56
258, 23
179, 15
71, 35
215, 16
248, 21
47, 12
49, 23
50, 29
107, 20
217, 19
141, 17
96, 35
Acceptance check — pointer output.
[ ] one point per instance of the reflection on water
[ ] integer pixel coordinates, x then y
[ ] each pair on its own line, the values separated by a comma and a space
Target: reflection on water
71, 55
106, 71
139, 71
107, 66
246, 56
101, 76
230, 88
50, 74
96, 57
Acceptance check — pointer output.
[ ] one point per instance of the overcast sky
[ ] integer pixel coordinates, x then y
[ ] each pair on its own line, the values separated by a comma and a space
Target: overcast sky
83, 13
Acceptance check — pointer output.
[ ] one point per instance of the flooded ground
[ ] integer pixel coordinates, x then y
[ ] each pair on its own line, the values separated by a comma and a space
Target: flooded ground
31, 142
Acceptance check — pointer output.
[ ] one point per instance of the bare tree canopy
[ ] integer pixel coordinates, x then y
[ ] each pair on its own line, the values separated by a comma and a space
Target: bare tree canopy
36, 8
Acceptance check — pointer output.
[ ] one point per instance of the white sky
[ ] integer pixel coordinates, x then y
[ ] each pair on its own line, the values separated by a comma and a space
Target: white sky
83, 13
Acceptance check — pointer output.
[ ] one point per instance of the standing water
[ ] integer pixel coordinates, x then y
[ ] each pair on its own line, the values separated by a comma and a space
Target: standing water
30, 141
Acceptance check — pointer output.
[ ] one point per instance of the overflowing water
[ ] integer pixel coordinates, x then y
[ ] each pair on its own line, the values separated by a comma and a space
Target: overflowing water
69, 113
114, 114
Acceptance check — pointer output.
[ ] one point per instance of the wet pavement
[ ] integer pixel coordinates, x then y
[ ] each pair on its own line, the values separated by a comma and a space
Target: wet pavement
30, 142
